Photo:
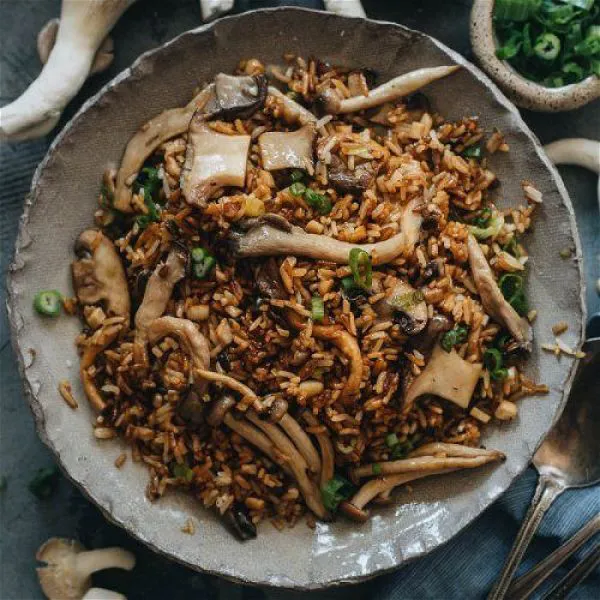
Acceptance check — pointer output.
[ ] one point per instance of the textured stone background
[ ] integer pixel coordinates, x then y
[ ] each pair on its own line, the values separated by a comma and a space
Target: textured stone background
25, 521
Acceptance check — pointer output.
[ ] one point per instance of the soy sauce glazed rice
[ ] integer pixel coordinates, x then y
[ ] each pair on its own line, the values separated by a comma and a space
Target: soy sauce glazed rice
272, 380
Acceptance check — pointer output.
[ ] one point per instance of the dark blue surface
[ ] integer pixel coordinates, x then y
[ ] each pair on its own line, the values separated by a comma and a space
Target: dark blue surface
464, 568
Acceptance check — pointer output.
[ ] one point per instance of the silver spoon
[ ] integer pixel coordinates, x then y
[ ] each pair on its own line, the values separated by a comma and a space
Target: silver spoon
569, 457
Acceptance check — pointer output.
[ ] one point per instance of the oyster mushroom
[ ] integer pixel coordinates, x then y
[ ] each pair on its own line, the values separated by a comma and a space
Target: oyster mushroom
445, 449
159, 289
83, 28
291, 111
349, 182
326, 448
101, 339
422, 463
446, 375
237, 520
219, 409
275, 411
405, 304
236, 96
425, 341
148, 138
390, 91
492, 299
296, 463
98, 275
287, 149
102, 594
213, 160
266, 239
301, 440
47, 38
69, 566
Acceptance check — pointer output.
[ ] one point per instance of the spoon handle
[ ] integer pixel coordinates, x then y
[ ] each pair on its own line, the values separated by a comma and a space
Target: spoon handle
525, 585
547, 491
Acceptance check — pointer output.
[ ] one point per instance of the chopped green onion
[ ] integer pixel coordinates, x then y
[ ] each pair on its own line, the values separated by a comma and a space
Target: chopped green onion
493, 229
590, 45
297, 188
349, 287
297, 175
510, 284
573, 71
407, 301
527, 44
512, 247
515, 10
401, 450
45, 482
473, 151
454, 337
483, 218
499, 374
547, 46
492, 359
183, 471
48, 303
317, 308
202, 269
322, 204
199, 254
143, 221
362, 270
519, 303
583, 4
391, 440
595, 67
335, 491
376, 469
510, 48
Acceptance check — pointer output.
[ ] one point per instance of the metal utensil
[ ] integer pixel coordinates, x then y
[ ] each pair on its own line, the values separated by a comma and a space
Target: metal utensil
568, 458
575, 576
525, 585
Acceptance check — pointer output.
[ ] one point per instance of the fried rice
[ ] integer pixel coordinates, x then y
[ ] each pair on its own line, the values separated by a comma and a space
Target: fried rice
315, 358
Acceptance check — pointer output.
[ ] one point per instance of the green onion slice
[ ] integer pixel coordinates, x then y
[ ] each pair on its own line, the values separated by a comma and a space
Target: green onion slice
454, 337
321, 203
391, 440
183, 471
547, 46
297, 188
48, 303
473, 151
335, 491
362, 270
297, 175
317, 308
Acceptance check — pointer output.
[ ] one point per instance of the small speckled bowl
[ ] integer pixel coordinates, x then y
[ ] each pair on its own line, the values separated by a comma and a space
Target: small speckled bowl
62, 203
522, 91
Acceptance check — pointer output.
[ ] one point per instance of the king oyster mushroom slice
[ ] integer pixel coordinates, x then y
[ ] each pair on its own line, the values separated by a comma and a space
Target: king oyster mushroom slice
236, 96
212, 161
159, 289
149, 137
69, 566
267, 239
326, 448
388, 92
446, 375
492, 298
98, 275
291, 111
403, 301
287, 149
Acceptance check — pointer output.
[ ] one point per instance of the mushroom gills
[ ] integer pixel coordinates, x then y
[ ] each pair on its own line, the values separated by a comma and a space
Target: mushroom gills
213, 161
287, 149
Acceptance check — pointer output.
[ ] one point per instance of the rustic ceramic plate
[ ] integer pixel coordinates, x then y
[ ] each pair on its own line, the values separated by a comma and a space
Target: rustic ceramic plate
62, 203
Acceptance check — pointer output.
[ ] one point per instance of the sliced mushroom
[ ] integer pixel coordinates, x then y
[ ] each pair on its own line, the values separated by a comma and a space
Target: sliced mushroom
296, 463
69, 566
394, 89
148, 138
292, 112
265, 239
192, 341
326, 448
349, 182
98, 275
422, 463
101, 339
446, 375
442, 448
236, 96
237, 520
354, 508
232, 384
191, 408
406, 305
268, 280
213, 160
159, 289
436, 326
492, 299
301, 440
287, 149
275, 410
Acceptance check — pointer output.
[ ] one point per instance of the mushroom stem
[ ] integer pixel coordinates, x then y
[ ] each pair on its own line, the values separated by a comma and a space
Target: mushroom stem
426, 463
83, 27
257, 438
102, 594
296, 463
326, 448
301, 440
233, 384
437, 448
389, 91
291, 110
106, 558
575, 151
348, 8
